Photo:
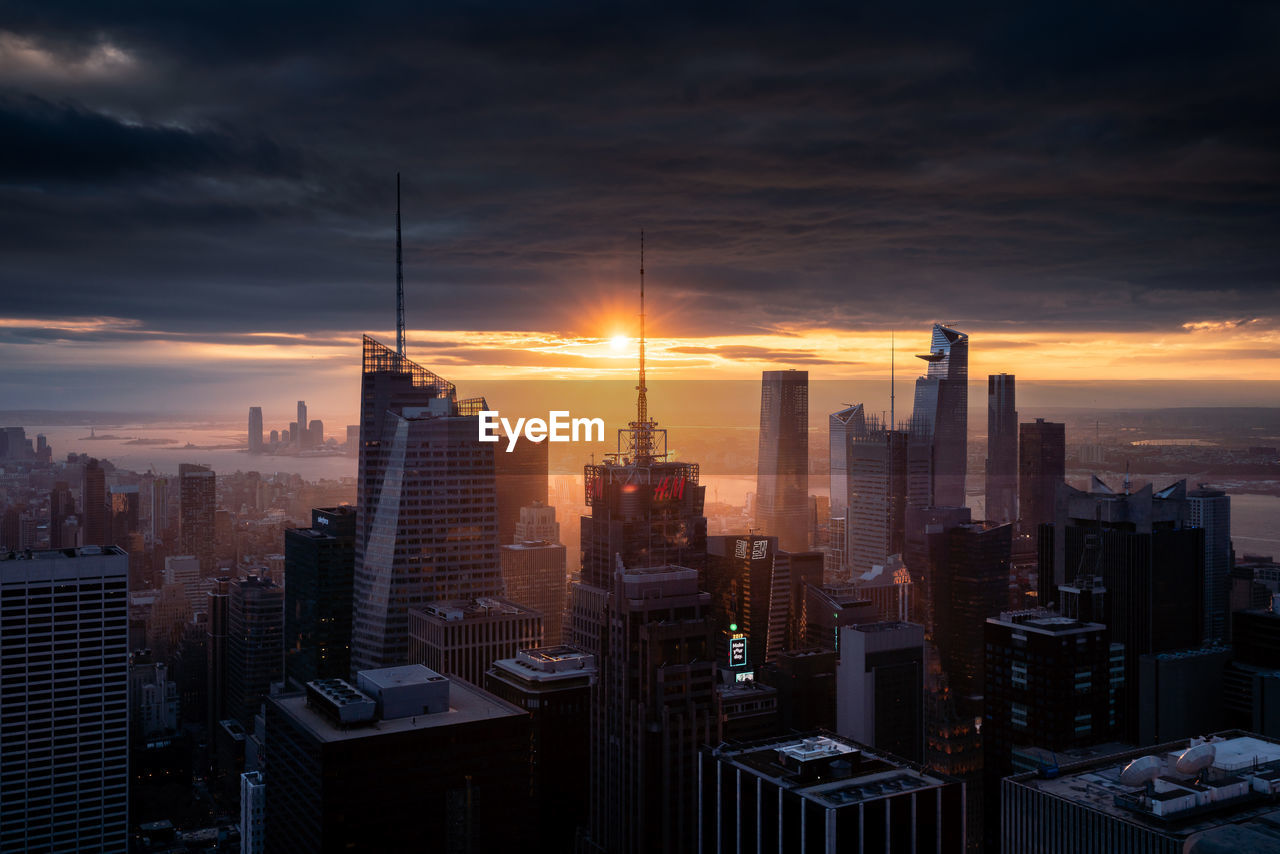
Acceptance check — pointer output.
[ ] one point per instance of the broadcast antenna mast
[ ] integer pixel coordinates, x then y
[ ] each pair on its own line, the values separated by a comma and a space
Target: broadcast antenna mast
399, 278
644, 442
892, 415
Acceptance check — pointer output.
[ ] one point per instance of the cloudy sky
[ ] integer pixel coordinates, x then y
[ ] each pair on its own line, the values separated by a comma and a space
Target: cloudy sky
197, 201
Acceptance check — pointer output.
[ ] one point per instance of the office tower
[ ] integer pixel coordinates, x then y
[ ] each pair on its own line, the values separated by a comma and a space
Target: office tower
93, 501
218, 605
417, 440
64, 701
805, 681
298, 429
877, 479
255, 429
537, 522
745, 606
319, 571
818, 792
940, 422
153, 699
521, 481
1211, 510
1151, 563
463, 637
253, 804
829, 608
185, 570
1181, 694
401, 760
782, 471
1251, 684
842, 426
124, 514
61, 506
353, 440
1042, 455
971, 572
925, 545
1052, 683
654, 711
1183, 796
276, 439
197, 505
553, 684
534, 575
315, 433
10, 535
880, 687
255, 649
1002, 449
743, 709
159, 508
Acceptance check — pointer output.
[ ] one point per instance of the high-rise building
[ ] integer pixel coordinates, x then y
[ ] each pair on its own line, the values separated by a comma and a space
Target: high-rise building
1251, 684
940, 422
315, 433
877, 480
64, 701
449, 763
417, 441
463, 638
1002, 449
534, 574
521, 479
1051, 683
971, 572
880, 687
160, 512
819, 792
782, 472
1211, 510
301, 436
255, 429
62, 506
655, 711
1042, 465
537, 522
218, 603
1150, 560
319, 572
1199, 796
253, 807
842, 426
124, 500
94, 512
1181, 694
553, 684
255, 651
353, 440
197, 506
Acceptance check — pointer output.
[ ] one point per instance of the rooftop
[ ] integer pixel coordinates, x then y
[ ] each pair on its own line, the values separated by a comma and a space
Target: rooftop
473, 609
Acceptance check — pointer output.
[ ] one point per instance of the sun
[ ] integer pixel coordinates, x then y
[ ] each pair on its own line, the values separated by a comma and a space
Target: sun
618, 343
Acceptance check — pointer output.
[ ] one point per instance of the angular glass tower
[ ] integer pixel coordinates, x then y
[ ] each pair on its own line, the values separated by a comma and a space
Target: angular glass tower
841, 427
782, 469
939, 422
426, 504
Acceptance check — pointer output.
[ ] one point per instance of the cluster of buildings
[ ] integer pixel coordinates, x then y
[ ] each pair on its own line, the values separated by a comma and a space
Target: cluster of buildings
422, 665
300, 436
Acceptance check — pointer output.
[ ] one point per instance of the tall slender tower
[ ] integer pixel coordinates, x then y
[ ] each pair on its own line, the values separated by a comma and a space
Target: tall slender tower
939, 422
1002, 449
782, 473
399, 278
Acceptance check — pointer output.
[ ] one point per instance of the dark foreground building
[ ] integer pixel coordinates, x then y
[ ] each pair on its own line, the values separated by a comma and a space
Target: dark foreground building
406, 761
818, 792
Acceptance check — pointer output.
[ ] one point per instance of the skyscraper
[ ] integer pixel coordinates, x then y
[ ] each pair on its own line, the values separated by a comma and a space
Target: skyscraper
64, 782
537, 522
940, 422
93, 505
319, 572
197, 505
880, 687
1042, 465
255, 429
782, 468
418, 441
255, 651
878, 483
61, 506
1002, 449
842, 426
749, 603
521, 479
301, 436
1211, 510
657, 710
534, 575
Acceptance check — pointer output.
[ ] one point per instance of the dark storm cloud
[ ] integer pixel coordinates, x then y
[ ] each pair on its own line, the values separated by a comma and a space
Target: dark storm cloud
1084, 165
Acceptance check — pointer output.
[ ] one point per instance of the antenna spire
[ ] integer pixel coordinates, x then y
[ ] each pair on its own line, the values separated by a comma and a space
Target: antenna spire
399, 278
644, 442
892, 378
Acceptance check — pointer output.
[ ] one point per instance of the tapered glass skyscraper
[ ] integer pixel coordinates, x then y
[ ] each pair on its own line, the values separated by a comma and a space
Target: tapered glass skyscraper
782, 472
939, 422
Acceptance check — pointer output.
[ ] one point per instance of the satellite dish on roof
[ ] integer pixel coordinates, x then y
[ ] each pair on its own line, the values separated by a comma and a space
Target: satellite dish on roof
1196, 759
1141, 770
